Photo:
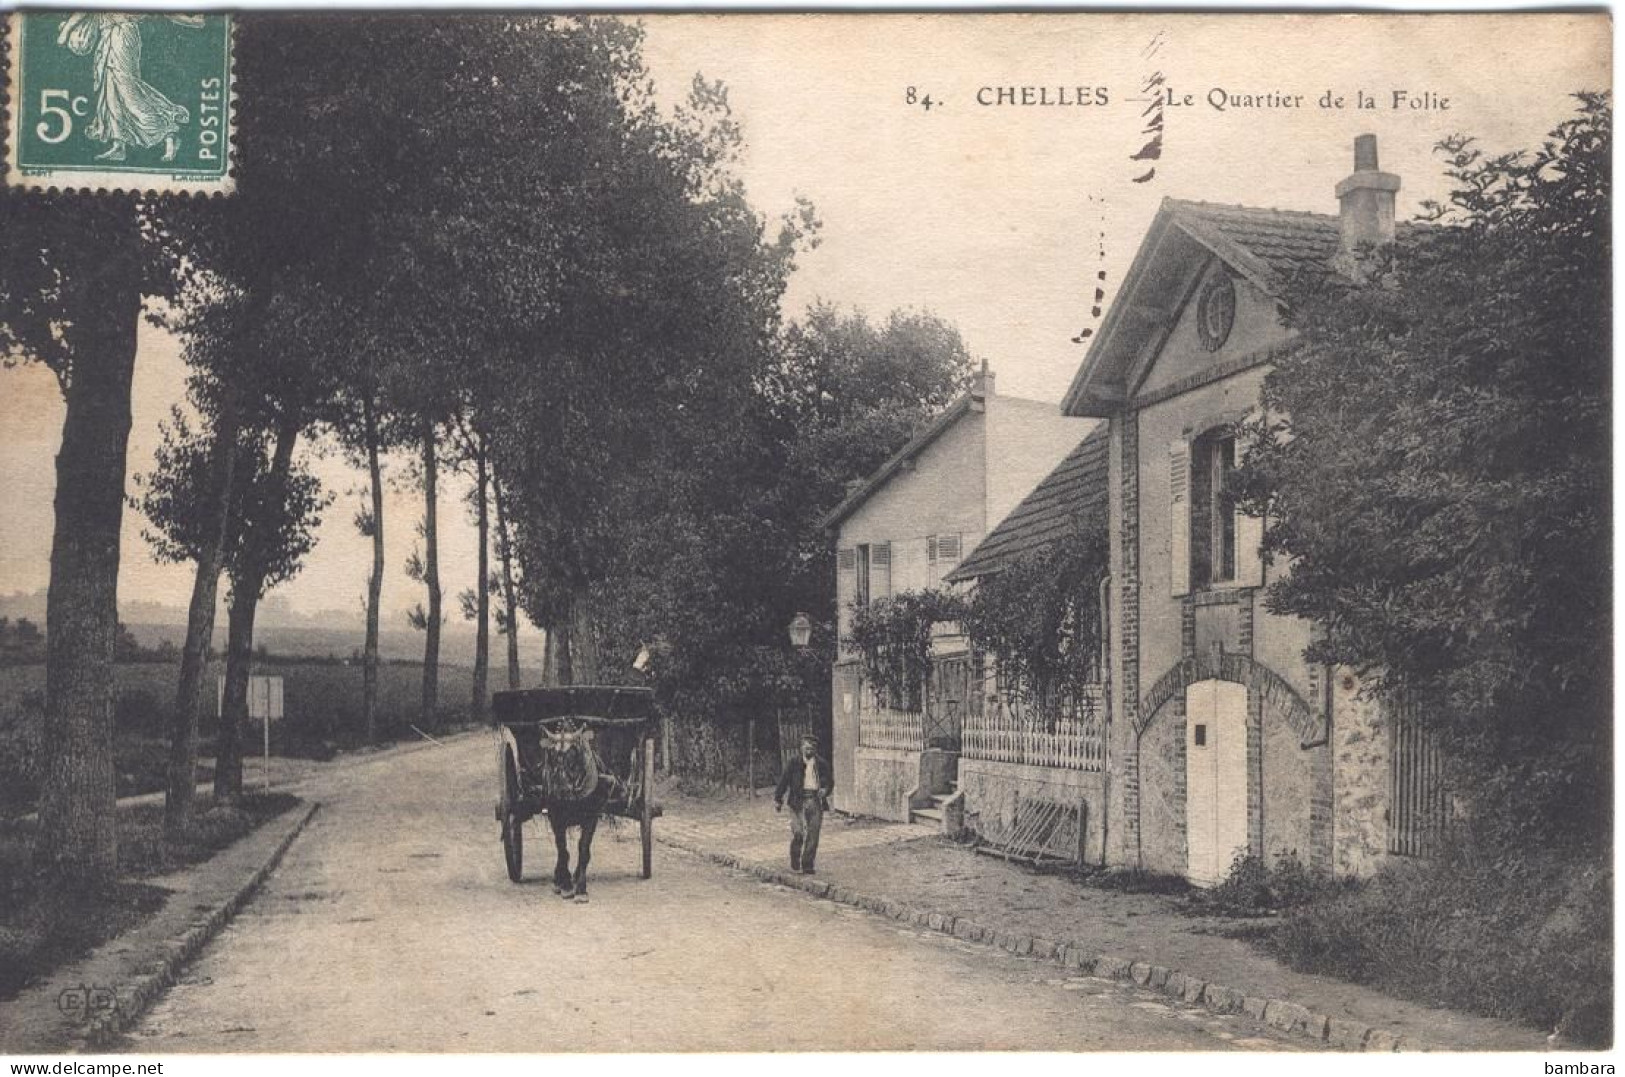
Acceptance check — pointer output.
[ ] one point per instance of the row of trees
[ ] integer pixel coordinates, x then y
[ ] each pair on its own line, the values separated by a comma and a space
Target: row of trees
475, 242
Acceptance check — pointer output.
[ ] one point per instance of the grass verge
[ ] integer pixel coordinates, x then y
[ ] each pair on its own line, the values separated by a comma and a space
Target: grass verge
1528, 937
42, 928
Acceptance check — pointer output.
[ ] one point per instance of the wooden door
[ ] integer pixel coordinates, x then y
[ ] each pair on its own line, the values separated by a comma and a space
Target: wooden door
1215, 778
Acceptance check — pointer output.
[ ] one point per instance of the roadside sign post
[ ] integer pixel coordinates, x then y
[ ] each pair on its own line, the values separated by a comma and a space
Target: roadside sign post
264, 703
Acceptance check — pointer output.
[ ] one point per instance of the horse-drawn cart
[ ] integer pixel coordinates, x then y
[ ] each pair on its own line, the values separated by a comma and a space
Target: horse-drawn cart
574, 754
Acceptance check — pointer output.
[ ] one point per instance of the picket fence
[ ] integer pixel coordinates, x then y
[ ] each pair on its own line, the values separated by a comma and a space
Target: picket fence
1072, 738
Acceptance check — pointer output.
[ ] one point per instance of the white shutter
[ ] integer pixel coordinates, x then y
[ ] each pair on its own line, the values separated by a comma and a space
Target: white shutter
1179, 516
879, 571
931, 549
1249, 557
846, 559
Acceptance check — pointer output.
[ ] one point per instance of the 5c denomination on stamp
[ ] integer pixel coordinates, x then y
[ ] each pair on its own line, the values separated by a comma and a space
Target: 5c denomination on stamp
105, 101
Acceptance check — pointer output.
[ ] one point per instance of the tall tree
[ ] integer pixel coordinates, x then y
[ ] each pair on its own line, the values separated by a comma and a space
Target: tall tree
73, 271
508, 616
188, 496
278, 514
372, 527
366, 427
1434, 467
474, 450
432, 618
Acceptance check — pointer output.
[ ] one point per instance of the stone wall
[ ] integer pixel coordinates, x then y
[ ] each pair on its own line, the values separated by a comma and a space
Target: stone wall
1162, 790
1360, 749
881, 782
845, 684
1288, 784
992, 789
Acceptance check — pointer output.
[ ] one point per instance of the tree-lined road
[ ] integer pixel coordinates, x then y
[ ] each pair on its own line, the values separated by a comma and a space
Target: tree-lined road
391, 926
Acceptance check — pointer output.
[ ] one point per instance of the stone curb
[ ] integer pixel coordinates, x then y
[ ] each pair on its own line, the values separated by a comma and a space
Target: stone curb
1279, 1014
135, 997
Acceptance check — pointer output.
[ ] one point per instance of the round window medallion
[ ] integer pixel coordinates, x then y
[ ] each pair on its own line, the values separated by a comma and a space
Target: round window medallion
1216, 311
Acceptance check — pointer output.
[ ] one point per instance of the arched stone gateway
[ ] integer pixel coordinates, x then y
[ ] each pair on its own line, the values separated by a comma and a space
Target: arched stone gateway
1273, 691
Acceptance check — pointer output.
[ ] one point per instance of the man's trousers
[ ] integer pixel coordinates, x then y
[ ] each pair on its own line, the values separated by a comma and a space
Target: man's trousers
805, 823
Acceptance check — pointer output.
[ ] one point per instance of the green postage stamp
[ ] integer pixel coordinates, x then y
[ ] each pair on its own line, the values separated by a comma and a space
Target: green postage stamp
105, 101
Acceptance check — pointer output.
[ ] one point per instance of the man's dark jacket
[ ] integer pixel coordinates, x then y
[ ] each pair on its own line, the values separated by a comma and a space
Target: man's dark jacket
795, 776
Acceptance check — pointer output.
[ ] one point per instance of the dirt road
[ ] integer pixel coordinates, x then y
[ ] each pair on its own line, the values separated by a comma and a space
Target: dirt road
391, 926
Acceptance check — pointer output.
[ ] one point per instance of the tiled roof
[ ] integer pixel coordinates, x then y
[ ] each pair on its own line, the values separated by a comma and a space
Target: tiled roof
1269, 245
1075, 488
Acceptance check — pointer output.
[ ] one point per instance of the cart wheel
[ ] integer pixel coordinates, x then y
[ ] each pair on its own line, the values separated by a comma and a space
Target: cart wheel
513, 828
646, 823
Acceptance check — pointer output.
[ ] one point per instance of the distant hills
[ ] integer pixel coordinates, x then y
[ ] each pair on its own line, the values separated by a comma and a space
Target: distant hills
285, 631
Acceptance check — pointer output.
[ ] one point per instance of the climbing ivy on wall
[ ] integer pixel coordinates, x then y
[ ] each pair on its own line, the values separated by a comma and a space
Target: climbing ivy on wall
1040, 618
892, 638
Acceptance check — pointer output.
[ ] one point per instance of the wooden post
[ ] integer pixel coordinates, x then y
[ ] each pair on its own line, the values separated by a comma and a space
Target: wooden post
750, 755
665, 736
267, 722
1083, 832
646, 820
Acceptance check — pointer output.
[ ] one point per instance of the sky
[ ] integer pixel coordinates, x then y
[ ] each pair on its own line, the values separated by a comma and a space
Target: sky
999, 217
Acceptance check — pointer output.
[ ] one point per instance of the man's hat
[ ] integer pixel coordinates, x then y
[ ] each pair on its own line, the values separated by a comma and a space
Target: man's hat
808, 738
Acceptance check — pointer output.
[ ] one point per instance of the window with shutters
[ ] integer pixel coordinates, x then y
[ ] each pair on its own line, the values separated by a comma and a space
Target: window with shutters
871, 571
1212, 510
942, 553
879, 570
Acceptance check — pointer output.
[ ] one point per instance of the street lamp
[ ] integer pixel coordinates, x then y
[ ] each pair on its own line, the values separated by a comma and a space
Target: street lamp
800, 632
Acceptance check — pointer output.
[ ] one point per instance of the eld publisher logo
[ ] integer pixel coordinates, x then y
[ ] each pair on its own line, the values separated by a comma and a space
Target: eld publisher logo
83, 1003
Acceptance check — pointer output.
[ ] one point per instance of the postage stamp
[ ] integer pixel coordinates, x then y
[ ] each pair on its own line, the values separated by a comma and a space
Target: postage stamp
119, 101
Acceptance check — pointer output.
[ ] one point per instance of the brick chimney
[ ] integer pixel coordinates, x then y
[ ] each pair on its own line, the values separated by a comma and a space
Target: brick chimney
982, 388
1366, 199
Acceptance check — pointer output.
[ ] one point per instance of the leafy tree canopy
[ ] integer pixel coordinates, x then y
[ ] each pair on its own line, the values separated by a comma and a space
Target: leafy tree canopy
1436, 473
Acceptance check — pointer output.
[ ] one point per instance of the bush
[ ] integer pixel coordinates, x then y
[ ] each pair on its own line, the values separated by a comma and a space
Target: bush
1134, 881
20, 752
1252, 888
137, 710
1528, 938
41, 927
711, 752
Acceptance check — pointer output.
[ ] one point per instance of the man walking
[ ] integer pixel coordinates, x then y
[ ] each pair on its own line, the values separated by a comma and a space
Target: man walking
807, 783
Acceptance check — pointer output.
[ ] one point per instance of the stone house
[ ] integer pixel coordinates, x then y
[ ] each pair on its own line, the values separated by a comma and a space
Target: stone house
1222, 739
905, 528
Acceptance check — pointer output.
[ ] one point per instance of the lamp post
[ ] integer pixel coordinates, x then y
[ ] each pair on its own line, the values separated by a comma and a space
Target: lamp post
800, 631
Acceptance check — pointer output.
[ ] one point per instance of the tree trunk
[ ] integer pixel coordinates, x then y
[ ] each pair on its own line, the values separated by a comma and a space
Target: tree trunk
562, 648
509, 600
579, 647
77, 834
228, 752
190, 693
246, 588
431, 577
482, 592
552, 675
375, 582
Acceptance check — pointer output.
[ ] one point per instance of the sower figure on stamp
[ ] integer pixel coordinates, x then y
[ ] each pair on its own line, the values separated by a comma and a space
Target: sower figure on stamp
807, 783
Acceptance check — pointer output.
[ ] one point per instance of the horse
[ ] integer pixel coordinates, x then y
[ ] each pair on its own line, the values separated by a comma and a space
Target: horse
575, 787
